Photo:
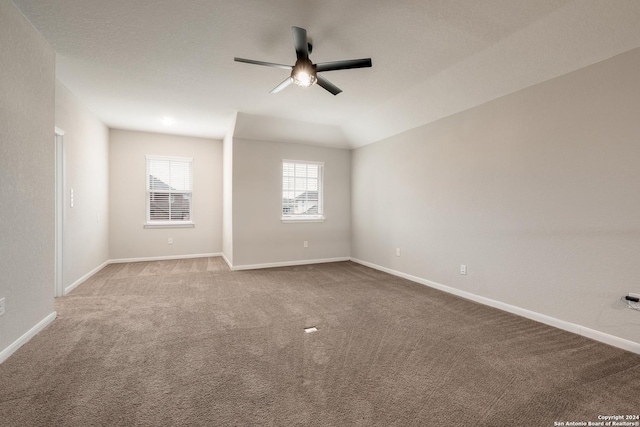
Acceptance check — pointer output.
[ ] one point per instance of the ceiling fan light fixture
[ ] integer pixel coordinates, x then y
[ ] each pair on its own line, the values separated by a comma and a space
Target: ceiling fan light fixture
304, 79
304, 74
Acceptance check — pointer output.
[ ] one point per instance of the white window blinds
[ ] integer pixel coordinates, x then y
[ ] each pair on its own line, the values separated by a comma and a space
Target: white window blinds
302, 190
169, 190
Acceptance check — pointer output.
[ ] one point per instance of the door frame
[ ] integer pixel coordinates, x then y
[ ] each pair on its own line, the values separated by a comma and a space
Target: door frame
60, 168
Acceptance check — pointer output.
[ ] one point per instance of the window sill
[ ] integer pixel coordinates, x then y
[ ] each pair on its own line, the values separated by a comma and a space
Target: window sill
291, 220
169, 225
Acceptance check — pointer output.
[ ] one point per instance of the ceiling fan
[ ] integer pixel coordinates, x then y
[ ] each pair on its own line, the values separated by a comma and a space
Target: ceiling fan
304, 72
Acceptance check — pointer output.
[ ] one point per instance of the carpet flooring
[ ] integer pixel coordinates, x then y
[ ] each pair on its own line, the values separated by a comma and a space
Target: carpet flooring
190, 343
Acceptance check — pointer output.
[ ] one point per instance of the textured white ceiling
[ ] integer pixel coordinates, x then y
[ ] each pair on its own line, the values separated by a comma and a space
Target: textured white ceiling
135, 62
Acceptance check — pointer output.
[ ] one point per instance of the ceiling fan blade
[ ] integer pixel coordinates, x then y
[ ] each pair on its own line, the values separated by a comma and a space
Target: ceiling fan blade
343, 65
266, 64
300, 42
328, 85
286, 82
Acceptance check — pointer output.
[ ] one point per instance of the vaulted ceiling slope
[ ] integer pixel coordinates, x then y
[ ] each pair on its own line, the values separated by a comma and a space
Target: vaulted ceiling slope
135, 63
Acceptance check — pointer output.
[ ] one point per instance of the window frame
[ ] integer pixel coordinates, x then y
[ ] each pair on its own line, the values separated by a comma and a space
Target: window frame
149, 223
303, 218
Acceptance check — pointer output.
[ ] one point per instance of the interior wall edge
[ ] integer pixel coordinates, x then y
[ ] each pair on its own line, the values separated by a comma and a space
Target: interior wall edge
593, 334
226, 260
85, 277
164, 258
14, 346
287, 263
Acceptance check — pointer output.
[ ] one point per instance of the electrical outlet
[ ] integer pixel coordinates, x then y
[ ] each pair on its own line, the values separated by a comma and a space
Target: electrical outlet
463, 269
305, 244
170, 241
1, 306
397, 251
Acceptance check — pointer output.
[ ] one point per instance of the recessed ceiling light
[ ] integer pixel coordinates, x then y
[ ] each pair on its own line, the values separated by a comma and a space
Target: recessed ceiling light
168, 121
311, 329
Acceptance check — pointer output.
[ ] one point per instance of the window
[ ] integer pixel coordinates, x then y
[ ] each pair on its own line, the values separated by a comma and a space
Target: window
169, 191
302, 191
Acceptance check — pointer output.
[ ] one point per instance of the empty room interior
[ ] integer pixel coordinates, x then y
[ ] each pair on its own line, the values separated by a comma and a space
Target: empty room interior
413, 213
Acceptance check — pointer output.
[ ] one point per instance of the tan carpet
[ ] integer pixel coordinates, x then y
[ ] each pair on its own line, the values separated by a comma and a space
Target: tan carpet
188, 342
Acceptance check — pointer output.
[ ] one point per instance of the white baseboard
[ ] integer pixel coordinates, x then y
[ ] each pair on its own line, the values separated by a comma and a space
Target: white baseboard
4, 354
85, 277
224, 257
552, 321
542, 318
123, 260
287, 263
162, 258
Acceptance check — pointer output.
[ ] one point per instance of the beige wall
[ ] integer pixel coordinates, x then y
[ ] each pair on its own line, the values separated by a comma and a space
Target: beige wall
259, 236
86, 225
27, 87
536, 192
127, 167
